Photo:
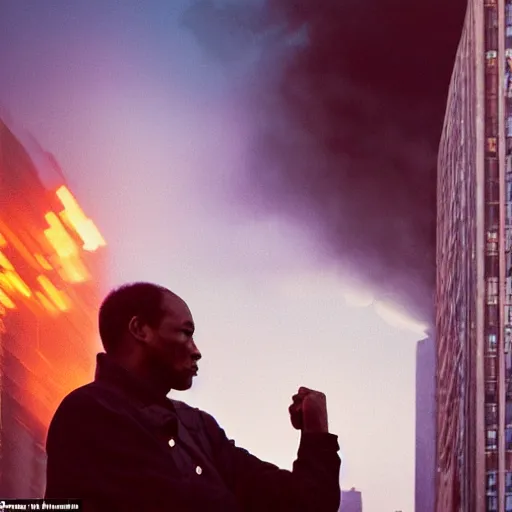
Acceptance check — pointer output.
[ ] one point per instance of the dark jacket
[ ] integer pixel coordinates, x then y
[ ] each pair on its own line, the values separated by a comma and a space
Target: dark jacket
120, 448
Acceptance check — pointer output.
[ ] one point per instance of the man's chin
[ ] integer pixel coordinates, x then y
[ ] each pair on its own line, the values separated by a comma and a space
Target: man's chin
183, 386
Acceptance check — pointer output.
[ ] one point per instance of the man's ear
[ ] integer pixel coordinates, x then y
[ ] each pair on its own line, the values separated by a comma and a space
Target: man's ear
139, 330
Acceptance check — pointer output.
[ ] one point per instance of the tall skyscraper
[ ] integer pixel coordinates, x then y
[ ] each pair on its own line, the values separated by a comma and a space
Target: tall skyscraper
425, 426
351, 501
474, 264
50, 282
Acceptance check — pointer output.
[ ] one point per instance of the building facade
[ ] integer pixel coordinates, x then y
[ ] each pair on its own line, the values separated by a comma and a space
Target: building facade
351, 501
425, 471
50, 285
474, 265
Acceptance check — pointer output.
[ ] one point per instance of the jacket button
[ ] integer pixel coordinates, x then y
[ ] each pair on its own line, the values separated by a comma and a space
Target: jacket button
199, 470
172, 443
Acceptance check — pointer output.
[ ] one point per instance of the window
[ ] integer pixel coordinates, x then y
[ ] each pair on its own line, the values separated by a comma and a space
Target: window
492, 189
492, 216
491, 443
492, 315
491, 145
492, 242
491, 483
508, 363
491, 415
508, 339
508, 503
491, 369
492, 170
508, 481
491, 394
492, 343
492, 504
492, 291
508, 438
492, 268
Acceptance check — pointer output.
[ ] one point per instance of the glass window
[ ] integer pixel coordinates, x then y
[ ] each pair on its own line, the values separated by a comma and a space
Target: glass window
492, 503
491, 439
490, 392
492, 343
508, 503
492, 269
508, 339
492, 216
491, 415
508, 481
492, 189
508, 438
491, 368
492, 143
491, 482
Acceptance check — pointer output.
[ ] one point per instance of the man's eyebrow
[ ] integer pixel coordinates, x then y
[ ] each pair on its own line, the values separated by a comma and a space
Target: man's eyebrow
190, 325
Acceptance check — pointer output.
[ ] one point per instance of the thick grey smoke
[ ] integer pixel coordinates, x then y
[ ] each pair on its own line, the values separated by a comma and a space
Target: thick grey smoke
348, 103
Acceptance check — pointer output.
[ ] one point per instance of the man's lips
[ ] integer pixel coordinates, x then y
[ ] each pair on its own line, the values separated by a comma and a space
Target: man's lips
195, 370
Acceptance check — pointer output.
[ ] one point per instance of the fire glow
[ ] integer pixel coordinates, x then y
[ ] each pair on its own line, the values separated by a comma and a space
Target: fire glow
61, 254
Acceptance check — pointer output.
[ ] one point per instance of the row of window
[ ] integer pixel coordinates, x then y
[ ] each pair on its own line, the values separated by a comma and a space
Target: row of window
492, 482
491, 439
491, 415
491, 346
492, 503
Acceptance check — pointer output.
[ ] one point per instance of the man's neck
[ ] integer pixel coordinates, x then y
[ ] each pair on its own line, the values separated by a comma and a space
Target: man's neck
143, 375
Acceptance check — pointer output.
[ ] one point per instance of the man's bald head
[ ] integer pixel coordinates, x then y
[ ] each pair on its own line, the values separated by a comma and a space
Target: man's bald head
141, 300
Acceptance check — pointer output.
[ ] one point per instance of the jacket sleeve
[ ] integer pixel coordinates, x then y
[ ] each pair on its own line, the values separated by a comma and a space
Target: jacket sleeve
313, 484
99, 456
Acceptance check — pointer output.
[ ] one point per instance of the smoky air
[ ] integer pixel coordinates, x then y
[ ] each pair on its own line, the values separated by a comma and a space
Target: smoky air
346, 124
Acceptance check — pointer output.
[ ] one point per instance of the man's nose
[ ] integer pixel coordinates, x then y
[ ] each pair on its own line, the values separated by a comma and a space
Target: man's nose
196, 355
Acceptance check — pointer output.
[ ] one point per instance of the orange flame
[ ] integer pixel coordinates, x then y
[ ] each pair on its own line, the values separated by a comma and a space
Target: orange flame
4, 262
18, 283
84, 226
6, 301
58, 297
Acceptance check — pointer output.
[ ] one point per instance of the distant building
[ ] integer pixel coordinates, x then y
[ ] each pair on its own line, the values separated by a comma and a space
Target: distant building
425, 473
351, 501
50, 285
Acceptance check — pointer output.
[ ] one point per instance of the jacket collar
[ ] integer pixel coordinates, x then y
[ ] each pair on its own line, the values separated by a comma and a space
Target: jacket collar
110, 373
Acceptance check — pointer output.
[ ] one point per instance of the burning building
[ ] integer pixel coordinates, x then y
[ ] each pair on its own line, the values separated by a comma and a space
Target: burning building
50, 285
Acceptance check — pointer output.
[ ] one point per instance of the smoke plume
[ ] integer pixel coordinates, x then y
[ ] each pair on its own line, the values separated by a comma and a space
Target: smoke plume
348, 103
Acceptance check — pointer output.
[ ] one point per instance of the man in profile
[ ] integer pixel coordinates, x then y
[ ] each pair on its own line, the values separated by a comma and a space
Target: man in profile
120, 444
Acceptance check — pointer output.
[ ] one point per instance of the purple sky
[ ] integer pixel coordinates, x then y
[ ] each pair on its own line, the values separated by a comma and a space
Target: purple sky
155, 139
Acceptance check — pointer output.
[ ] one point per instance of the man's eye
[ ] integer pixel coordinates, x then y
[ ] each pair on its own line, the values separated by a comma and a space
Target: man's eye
188, 333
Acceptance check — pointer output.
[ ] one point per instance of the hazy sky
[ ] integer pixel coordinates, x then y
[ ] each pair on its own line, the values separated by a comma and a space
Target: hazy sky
154, 140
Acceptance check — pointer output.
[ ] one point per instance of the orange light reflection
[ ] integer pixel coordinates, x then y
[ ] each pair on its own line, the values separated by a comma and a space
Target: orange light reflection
43, 262
59, 298
84, 226
6, 301
46, 303
18, 283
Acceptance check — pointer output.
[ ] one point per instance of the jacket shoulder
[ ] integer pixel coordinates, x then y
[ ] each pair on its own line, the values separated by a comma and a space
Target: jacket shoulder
81, 403
195, 417
189, 410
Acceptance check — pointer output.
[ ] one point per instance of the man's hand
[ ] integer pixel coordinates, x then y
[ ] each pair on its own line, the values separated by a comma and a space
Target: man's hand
308, 411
